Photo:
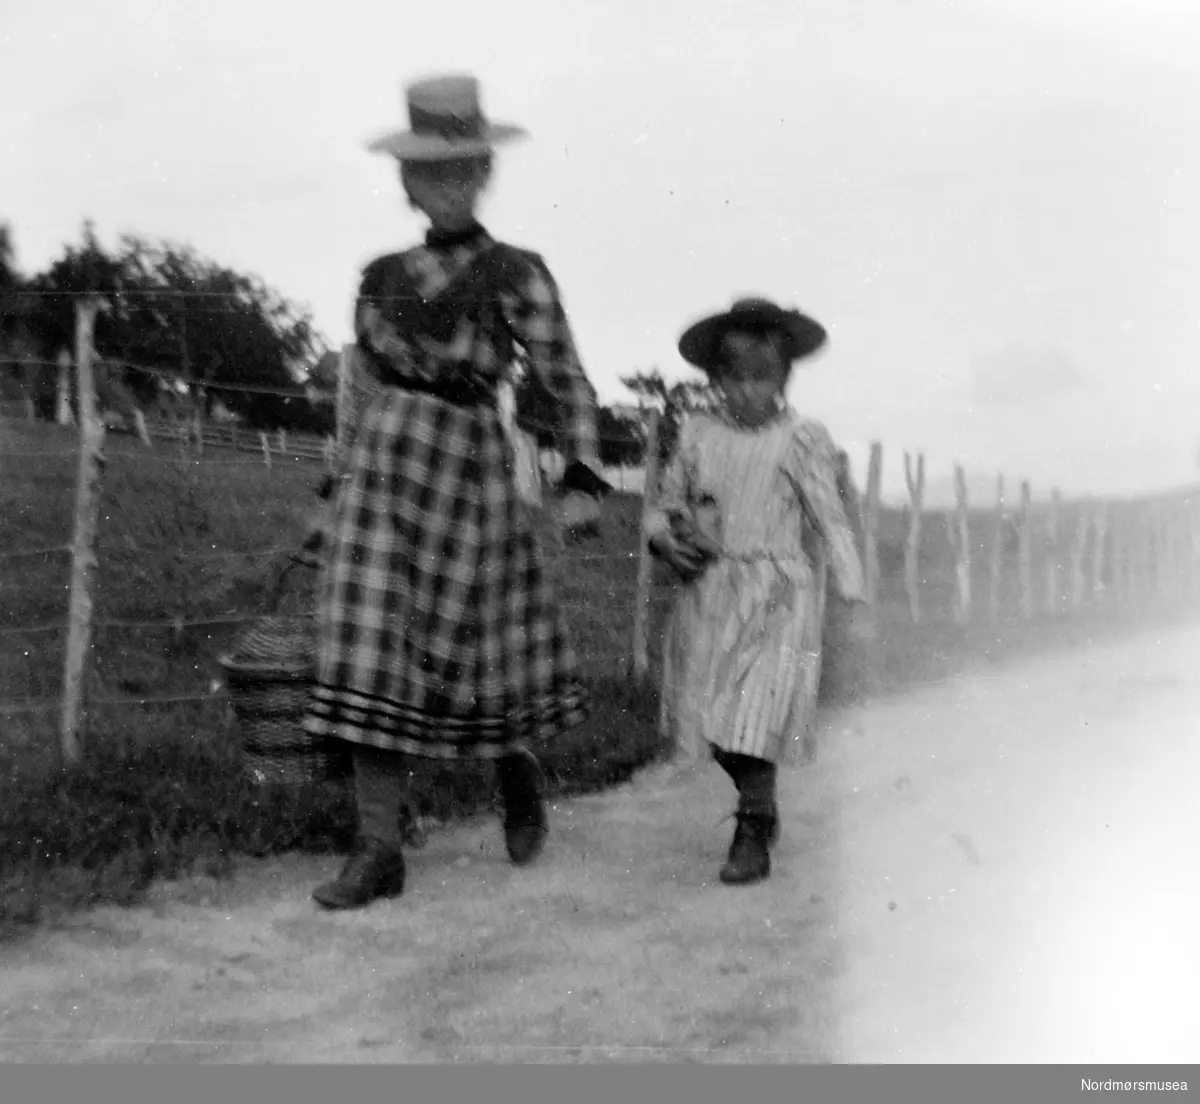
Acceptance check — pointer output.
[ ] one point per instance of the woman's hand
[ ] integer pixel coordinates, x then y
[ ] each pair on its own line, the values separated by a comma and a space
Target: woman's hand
580, 478
310, 553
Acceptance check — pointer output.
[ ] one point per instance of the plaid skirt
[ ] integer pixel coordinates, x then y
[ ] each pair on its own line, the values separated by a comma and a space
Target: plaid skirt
438, 633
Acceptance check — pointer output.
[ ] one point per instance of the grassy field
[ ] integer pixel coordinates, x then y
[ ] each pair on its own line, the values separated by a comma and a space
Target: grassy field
183, 545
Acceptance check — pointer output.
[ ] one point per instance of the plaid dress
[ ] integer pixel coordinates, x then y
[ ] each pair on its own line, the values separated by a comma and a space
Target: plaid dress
438, 633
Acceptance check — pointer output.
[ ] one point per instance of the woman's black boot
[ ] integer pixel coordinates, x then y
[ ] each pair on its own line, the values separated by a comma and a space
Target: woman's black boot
521, 788
376, 871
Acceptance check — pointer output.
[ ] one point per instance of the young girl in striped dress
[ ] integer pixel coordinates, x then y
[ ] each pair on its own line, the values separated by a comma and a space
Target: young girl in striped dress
749, 516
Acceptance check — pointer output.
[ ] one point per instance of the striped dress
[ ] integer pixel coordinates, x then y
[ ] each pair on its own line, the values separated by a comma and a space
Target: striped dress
742, 656
438, 631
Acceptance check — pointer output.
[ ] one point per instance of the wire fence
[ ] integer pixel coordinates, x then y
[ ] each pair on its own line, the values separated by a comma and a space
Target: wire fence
201, 436
37, 630
138, 556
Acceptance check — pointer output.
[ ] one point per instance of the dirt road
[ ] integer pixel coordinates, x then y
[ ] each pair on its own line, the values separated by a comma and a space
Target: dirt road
995, 869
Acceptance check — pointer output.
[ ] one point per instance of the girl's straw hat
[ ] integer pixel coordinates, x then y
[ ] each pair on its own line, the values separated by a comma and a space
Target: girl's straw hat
446, 122
701, 343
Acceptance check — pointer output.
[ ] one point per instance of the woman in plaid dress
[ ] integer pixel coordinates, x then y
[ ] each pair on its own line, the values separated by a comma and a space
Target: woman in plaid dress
438, 632
750, 517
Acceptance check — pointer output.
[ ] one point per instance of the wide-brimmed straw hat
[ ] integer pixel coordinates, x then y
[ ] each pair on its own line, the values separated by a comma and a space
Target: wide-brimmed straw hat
446, 122
701, 342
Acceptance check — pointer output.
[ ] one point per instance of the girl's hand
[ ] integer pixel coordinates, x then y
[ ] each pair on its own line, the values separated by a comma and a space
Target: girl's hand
686, 530
686, 558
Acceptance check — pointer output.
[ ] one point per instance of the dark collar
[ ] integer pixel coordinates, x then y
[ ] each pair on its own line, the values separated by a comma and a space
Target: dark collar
446, 239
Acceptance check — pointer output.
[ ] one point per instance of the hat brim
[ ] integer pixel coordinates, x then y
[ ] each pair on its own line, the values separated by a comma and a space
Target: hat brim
408, 146
700, 344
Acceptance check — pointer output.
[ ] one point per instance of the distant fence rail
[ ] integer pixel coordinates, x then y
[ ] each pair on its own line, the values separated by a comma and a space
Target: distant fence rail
307, 447
297, 446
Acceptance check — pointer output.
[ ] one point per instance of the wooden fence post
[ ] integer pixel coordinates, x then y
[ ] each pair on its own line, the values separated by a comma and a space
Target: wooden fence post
1178, 530
958, 529
63, 413
870, 526
1176, 553
1117, 554
139, 420
1175, 514
1078, 580
1025, 550
83, 550
1053, 552
997, 562
345, 370
1146, 554
266, 448
1158, 551
1129, 547
1193, 552
1153, 559
1165, 551
1162, 558
1100, 531
641, 613
912, 547
282, 442
198, 420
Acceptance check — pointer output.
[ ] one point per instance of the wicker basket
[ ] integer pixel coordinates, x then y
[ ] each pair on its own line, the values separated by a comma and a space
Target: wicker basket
269, 675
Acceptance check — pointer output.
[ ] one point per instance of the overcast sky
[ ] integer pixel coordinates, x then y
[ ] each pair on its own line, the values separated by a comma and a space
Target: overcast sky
994, 205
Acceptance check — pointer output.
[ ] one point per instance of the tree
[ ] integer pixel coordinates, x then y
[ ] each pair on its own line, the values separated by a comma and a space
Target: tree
11, 307
24, 357
51, 317
179, 316
10, 279
19, 374
622, 440
676, 400
323, 378
189, 316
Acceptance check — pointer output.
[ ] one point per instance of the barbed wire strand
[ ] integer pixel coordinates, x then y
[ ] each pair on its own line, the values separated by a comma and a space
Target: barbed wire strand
45, 705
179, 623
192, 381
48, 705
214, 555
185, 621
277, 550
24, 553
189, 461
